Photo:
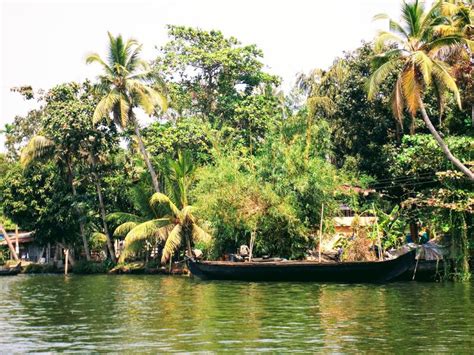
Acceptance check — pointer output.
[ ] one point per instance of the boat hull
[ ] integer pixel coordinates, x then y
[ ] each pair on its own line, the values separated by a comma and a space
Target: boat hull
377, 271
9, 272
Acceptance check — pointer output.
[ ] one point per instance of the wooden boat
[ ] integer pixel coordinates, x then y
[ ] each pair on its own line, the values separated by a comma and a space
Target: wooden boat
373, 271
12, 271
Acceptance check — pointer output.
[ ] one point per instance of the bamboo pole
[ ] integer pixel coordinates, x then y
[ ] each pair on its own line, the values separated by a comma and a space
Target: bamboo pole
320, 232
9, 242
71, 259
17, 241
66, 252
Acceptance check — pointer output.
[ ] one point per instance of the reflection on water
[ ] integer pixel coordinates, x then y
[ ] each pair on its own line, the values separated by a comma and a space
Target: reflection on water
156, 313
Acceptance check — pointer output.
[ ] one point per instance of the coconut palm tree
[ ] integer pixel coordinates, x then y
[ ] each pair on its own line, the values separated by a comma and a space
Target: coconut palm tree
42, 148
417, 52
174, 222
460, 18
126, 84
320, 85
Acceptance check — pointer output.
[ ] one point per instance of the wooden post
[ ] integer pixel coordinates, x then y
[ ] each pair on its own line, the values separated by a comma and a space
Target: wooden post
40, 255
48, 252
17, 241
9, 242
70, 255
252, 242
414, 231
320, 232
66, 252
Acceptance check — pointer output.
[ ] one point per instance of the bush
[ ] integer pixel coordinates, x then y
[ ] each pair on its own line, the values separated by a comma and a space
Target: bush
39, 268
236, 202
90, 267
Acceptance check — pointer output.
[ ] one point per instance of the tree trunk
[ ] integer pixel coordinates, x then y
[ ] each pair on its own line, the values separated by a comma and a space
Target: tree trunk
103, 214
398, 132
81, 223
443, 145
154, 178
9, 242
309, 124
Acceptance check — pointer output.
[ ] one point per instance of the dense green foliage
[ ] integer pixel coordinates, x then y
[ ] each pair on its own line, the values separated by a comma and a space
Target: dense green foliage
228, 157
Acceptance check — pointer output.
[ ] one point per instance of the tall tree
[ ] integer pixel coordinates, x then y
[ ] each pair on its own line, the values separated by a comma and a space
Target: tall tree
71, 140
127, 83
320, 87
41, 147
221, 81
417, 52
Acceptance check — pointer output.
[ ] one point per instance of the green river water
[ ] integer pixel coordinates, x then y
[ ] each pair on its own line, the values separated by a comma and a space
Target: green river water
128, 313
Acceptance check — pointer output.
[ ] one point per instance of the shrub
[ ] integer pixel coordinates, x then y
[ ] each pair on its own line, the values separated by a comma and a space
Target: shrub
39, 268
90, 267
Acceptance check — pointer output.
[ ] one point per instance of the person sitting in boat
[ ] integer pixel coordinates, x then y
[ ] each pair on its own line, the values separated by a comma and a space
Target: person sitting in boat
244, 251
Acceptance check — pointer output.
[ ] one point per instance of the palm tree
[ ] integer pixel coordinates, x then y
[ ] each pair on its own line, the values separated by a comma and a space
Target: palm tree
124, 85
176, 224
320, 87
460, 21
42, 148
417, 52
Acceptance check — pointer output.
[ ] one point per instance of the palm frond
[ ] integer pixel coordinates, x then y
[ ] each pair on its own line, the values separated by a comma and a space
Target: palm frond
95, 58
397, 101
117, 218
146, 230
381, 16
445, 41
134, 242
172, 243
411, 15
105, 106
186, 215
379, 75
448, 9
385, 38
424, 65
440, 71
39, 147
398, 28
149, 98
411, 88
200, 235
123, 229
160, 199
124, 110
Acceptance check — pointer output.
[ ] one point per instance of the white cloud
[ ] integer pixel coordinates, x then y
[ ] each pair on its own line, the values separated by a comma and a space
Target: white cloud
44, 43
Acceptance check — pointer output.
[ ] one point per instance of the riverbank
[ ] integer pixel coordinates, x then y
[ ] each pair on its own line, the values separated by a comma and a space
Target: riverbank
89, 268
433, 271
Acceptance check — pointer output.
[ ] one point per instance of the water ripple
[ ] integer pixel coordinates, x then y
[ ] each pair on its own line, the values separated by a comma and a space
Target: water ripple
51, 313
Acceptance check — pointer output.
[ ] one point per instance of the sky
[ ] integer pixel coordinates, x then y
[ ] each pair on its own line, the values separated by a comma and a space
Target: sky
44, 43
